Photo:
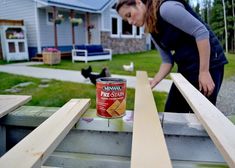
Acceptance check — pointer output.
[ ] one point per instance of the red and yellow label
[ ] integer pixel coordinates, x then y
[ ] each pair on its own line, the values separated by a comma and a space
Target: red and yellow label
110, 97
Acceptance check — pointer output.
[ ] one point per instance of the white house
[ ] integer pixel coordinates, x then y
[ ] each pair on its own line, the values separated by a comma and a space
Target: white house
42, 32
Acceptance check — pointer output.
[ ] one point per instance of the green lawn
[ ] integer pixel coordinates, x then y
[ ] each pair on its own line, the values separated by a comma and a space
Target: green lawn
147, 61
230, 67
58, 93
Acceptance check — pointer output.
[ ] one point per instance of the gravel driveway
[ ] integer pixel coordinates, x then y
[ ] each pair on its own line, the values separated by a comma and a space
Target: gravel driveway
226, 97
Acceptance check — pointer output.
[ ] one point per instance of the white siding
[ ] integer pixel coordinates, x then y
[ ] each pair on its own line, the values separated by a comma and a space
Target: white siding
21, 10
106, 20
95, 33
64, 32
106, 17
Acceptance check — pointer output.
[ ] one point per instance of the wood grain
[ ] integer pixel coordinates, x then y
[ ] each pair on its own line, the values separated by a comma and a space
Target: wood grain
35, 148
149, 148
220, 129
8, 103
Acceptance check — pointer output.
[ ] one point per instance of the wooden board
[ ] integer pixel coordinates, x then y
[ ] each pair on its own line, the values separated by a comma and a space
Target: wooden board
9, 103
35, 148
220, 129
149, 148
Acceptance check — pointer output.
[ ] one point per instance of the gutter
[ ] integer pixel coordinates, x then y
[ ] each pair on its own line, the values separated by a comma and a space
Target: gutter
74, 7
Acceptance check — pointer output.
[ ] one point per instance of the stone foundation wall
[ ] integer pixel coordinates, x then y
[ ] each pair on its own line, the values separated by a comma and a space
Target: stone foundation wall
123, 45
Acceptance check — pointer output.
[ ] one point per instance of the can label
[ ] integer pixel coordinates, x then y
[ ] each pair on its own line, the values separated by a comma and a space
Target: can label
110, 97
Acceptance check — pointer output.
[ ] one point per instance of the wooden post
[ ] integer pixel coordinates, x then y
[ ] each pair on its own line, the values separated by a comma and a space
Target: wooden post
149, 148
88, 30
55, 27
220, 129
72, 29
1, 54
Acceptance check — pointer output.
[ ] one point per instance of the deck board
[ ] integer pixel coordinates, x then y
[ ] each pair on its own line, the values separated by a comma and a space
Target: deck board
9, 103
220, 129
149, 148
35, 148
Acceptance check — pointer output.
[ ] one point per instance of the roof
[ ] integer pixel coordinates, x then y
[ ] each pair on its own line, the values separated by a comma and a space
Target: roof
94, 6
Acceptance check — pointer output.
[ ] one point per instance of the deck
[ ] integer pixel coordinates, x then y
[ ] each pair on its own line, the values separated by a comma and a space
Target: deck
73, 135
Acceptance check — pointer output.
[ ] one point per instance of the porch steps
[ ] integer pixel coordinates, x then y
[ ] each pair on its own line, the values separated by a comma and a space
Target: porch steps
38, 57
64, 55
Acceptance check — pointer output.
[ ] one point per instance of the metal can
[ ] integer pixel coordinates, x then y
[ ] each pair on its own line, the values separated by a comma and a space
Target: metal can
110, 97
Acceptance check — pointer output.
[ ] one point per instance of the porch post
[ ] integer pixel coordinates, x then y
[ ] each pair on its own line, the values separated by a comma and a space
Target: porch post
87, 26
55, 28
72, 28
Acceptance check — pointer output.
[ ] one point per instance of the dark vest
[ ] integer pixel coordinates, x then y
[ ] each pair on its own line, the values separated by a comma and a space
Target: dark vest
184, 45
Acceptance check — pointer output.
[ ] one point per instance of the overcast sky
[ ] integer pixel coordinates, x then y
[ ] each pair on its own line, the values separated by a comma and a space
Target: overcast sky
194, 2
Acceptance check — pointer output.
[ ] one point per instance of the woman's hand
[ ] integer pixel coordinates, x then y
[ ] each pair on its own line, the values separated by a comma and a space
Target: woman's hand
206, 83
153, 83
164, 70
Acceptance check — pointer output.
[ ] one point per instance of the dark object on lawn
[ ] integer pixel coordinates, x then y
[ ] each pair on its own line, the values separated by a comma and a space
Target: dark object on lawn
104, 73
86, 72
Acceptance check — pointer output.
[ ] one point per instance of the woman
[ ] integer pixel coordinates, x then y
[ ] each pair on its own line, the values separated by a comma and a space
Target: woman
181, 37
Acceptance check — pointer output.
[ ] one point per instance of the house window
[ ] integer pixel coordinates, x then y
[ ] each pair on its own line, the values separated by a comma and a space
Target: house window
121, 28
137, 31
114, 26
114, 6
50, 17
126, 28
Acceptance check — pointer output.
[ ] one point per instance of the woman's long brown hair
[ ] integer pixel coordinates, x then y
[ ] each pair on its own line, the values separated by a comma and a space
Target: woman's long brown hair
152, 6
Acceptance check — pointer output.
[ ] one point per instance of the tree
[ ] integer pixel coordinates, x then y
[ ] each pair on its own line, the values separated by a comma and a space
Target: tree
233, 16
216, 19
225, 27
219, 14
230, 24
208, 10
197, 8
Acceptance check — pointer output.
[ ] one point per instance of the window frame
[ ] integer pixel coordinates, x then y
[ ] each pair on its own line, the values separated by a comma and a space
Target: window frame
118, 33
119, 28
127, 35
47, 17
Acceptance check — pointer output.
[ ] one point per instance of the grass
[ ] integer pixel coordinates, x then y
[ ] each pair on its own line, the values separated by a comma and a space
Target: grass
229, 70
147, 61
58, 93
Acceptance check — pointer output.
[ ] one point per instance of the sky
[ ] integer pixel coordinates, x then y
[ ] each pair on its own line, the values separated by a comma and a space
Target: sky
194, 2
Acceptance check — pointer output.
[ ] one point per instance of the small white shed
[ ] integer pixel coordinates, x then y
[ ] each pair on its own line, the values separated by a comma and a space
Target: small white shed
14, 42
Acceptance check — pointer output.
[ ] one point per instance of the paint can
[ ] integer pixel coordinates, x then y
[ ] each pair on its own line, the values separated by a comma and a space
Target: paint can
110, 97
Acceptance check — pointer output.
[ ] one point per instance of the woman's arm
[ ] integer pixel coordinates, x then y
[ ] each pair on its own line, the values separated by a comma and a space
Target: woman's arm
165, 67
206, 83
164, 70
173, 12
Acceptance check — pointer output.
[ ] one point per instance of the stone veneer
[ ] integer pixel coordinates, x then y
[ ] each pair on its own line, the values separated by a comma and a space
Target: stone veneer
123, 45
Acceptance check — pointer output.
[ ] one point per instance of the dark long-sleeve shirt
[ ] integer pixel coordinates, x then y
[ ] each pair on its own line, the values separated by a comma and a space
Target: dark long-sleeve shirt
175, 13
